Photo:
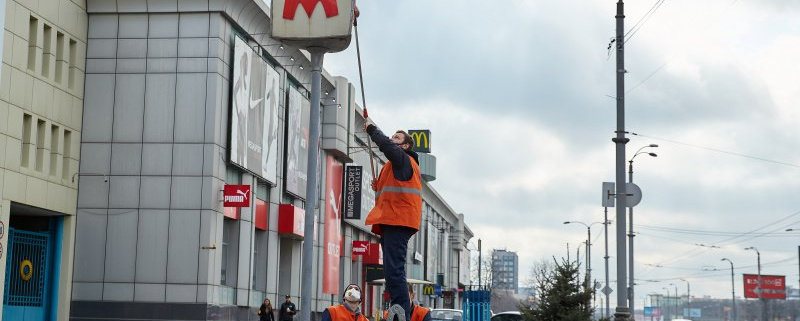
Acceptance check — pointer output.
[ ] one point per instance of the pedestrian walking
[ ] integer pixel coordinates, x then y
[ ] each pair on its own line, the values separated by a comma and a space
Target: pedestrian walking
287, 310
265, 312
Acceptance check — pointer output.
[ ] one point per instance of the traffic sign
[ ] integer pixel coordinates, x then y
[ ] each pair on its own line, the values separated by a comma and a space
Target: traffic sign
607, 290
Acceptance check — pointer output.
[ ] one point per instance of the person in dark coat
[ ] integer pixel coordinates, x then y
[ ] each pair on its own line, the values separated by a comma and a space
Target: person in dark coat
288, 310
265, 312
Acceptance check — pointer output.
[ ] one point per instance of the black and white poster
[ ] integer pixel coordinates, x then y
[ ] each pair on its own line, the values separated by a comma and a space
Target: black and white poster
352, 192
254, 118
297, 127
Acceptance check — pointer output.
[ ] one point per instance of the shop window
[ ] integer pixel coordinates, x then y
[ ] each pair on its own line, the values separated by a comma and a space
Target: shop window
230, 251
260, 261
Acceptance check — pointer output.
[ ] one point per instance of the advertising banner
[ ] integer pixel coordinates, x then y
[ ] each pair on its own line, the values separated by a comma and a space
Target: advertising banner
352, 193
254, 116
772, 286
333, 234
298, 119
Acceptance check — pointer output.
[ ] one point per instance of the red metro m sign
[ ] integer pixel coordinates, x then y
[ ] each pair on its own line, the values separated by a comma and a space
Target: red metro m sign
290, 7
313, 23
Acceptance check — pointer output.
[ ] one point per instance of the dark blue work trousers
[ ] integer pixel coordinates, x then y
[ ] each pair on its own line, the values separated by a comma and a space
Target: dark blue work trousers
394, 243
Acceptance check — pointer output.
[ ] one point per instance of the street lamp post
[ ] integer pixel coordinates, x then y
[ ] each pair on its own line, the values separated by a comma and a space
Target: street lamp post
666, 306
676, 298
630, 229
733, 291
758, 286
798, 250
588, 248
688, 299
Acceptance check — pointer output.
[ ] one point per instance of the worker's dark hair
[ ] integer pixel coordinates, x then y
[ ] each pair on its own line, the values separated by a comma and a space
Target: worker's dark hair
407, 139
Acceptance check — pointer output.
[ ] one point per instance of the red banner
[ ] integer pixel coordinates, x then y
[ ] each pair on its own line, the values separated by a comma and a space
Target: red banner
236, 196
262, 215
772, 286
333, 234
291, 221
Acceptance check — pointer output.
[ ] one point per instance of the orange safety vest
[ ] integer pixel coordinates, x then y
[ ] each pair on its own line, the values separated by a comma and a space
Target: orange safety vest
342, 313
417, 313
397, 203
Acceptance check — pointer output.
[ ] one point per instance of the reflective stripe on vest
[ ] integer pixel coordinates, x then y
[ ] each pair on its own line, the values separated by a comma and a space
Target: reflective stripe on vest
397, 203
395, 189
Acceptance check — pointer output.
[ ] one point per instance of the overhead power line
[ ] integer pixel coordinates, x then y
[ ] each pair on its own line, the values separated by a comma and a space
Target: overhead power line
719, 150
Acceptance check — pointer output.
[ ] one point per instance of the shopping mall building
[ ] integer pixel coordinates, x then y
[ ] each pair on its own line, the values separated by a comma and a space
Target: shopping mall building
121, 124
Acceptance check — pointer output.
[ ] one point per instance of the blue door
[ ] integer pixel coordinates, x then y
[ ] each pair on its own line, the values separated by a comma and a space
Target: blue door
27, 286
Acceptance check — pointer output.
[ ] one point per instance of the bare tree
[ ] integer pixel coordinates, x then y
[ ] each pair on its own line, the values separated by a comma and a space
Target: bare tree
484, 275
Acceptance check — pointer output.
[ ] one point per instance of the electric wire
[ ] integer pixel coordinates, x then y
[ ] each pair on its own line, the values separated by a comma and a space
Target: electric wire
719, 150
639, 24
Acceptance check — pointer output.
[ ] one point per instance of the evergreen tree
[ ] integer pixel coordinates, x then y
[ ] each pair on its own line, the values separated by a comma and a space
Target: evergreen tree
562, 295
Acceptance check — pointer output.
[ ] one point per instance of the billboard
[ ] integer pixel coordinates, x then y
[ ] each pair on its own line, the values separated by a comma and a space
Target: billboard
298, 119
333, 234
772, 286
254, 116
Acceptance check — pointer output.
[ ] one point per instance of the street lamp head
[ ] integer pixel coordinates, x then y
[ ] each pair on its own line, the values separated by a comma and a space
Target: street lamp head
653, 145
652, 154
567, 222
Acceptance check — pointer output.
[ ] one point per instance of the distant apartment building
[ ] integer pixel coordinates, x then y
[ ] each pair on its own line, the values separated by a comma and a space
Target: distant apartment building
505, 271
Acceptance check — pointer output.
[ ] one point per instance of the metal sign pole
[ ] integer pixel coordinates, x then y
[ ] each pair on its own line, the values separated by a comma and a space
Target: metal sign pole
317, 54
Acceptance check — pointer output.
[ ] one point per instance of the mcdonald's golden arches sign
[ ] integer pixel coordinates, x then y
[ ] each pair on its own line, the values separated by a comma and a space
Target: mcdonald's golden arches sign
422, 140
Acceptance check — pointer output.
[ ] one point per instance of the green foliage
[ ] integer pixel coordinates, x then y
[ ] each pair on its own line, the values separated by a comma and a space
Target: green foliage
562, 295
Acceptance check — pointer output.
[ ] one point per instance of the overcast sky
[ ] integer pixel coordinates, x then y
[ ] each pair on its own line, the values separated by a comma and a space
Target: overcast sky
518, 95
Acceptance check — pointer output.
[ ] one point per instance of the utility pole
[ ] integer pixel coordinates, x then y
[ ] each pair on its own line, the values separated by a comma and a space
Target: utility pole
622, 313
479, 264
606, 289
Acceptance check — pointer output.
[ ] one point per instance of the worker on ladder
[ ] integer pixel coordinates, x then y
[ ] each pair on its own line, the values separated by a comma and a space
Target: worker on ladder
398, 209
